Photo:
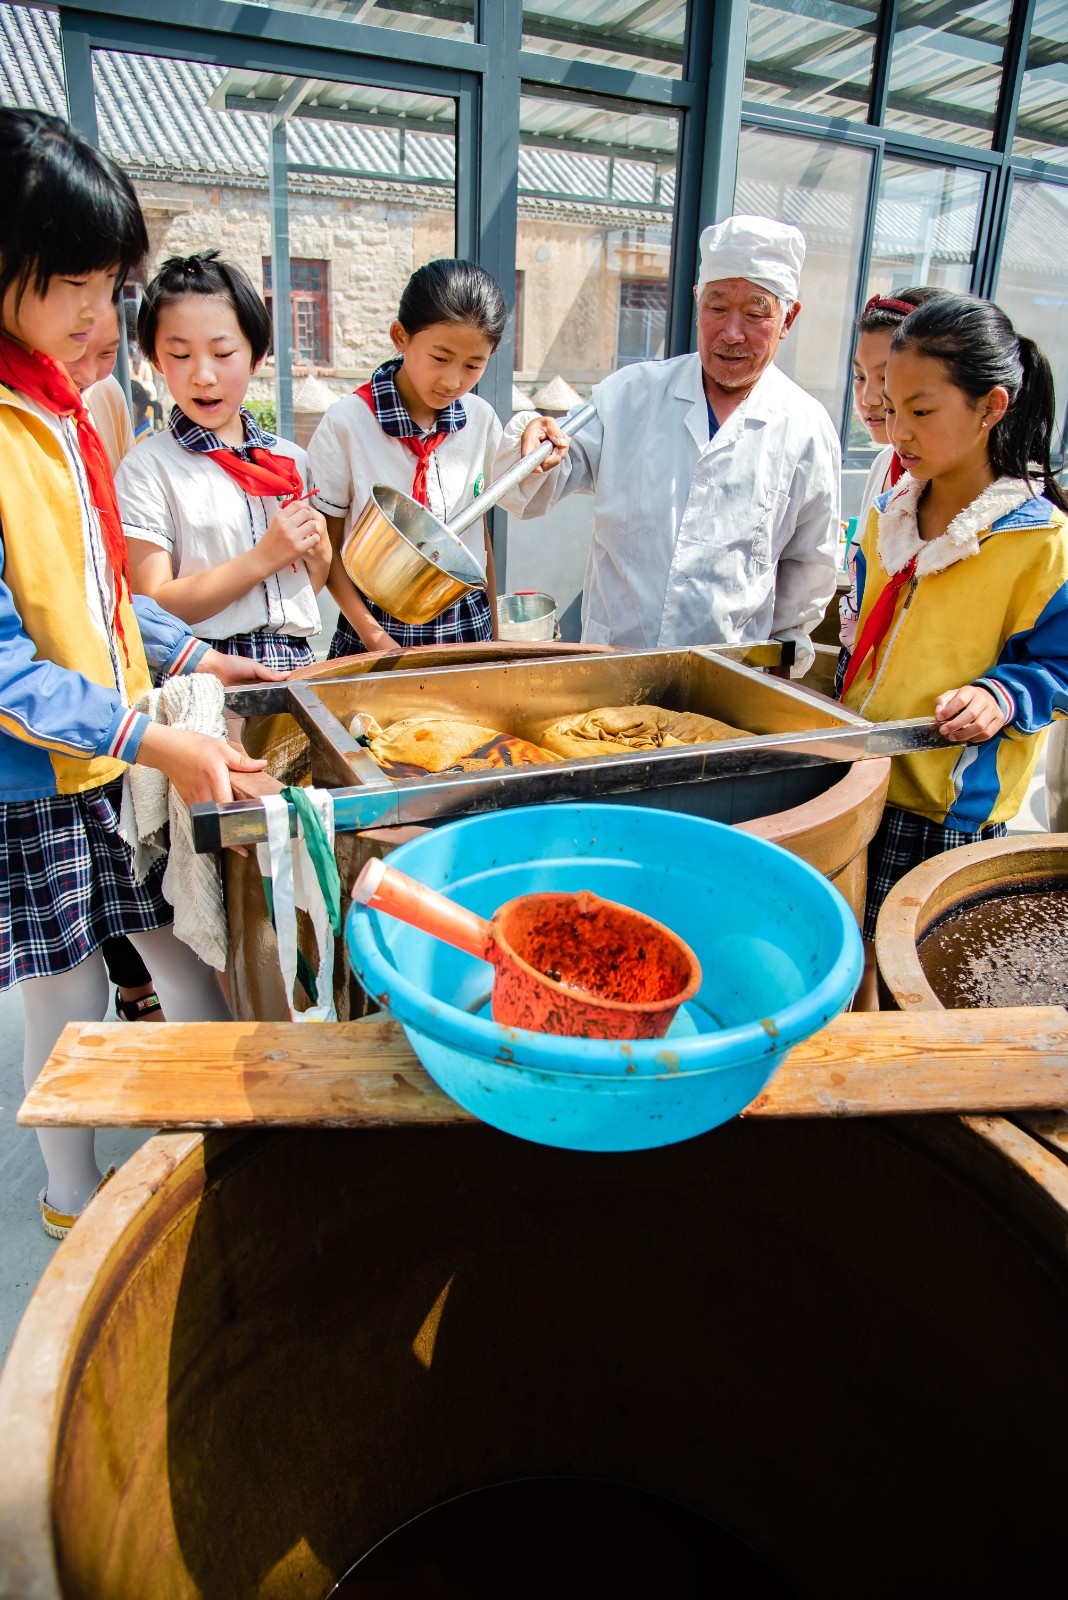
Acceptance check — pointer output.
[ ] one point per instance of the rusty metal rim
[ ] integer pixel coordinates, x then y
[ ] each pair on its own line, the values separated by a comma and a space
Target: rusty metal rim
938, 886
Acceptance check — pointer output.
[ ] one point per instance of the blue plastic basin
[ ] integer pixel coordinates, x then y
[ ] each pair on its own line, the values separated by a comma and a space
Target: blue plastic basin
779, 949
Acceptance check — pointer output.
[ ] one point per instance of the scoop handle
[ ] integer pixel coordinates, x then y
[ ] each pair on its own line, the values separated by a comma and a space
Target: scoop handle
385, 889
522, 469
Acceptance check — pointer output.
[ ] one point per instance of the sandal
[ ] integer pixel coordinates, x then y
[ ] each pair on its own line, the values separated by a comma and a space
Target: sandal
57, 1224
136, 1010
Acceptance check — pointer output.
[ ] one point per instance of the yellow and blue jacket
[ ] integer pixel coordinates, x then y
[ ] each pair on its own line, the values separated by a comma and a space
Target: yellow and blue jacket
66, 686
988, 604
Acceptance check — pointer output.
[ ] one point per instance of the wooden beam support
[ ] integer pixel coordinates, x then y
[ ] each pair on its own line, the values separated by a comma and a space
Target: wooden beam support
364, 1074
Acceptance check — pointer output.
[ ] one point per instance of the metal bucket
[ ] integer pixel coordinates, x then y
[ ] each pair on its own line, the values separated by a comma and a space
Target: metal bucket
526, 615
406, 561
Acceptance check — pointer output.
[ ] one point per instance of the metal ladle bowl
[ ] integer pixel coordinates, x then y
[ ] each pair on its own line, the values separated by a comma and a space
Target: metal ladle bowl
412, 565
405, 560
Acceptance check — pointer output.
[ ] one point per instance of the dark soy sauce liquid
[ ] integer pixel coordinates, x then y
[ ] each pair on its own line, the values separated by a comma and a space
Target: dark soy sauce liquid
545, 1538
1008, 950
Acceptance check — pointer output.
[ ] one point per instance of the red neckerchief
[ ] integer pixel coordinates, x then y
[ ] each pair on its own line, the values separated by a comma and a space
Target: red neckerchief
40, 378
877, 626
265, 474
896, 470
421, 449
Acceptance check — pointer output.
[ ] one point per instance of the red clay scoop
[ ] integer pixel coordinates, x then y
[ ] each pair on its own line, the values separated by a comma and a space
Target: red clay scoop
569, 964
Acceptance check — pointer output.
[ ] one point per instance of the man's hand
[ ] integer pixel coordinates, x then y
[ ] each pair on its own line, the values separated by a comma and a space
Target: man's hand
198, 765
235, 671
969, 715
535, 433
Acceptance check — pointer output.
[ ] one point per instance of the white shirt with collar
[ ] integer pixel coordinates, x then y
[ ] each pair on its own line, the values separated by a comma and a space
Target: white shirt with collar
350, 452
697, 541
183, 502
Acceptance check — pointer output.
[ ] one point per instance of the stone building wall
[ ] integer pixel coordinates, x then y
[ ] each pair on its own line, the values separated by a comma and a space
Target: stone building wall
571, 269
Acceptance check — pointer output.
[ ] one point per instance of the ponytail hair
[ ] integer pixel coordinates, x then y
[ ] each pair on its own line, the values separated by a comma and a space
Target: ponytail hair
981, 350
454, 291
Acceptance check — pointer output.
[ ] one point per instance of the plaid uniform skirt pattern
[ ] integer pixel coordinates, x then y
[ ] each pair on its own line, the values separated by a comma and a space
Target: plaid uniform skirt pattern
469, 621
902, 841
282, 651
67, 883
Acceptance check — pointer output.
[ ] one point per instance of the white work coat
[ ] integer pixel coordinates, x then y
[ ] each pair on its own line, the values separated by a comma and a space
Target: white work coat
697, 541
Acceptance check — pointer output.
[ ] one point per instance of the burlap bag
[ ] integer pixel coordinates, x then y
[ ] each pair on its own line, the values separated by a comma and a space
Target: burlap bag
624, 730
425, 744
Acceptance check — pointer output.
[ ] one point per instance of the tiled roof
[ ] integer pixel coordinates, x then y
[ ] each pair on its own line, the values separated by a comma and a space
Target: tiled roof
154, 115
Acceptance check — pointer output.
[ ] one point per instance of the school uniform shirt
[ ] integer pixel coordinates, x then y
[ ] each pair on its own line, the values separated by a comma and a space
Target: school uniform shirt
107, 406
182, 501
350, 452
697, 540
849, 604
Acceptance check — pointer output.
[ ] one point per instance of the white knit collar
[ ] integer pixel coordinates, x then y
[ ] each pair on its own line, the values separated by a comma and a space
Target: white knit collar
899, 534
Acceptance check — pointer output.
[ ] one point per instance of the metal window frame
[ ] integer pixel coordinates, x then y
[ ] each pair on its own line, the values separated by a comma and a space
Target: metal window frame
998, 164
484, 76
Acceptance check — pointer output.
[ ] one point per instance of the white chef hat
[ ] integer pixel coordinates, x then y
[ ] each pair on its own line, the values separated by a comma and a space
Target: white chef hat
768, 253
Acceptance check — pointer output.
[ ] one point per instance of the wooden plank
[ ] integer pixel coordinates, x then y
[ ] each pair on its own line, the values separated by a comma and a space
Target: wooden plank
364, 1074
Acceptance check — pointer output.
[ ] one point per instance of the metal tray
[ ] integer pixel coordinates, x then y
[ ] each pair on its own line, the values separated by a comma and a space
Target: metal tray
797, 736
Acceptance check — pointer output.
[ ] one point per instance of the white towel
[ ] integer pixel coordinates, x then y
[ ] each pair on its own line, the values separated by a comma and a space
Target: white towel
150, 805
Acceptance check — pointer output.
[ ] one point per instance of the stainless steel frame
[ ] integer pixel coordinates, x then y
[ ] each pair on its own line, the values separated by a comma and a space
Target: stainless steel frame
792, 728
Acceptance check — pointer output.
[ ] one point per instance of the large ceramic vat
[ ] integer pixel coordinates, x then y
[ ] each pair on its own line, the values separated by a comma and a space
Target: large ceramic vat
824, 813
841, 1342
961, 880
944, 887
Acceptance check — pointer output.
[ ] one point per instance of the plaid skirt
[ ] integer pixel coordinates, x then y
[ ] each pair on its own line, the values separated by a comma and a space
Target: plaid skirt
282, 651
67, 883
469, 621
902, 841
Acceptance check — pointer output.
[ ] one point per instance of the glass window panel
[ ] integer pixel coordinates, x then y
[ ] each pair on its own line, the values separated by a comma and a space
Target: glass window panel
813, 56
926, 223
1032, 288
1042, 122
822, 188
647, 36
31, 68
593, 250
945, 71
370, 190
453, 20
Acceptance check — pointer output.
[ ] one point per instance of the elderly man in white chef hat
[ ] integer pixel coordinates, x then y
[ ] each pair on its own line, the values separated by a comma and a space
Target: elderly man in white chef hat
715, 478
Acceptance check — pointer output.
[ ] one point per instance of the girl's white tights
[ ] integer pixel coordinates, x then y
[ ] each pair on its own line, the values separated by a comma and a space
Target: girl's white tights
188, 991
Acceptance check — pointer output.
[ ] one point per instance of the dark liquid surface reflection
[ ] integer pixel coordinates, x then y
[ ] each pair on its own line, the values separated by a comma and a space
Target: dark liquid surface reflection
558, 1536
1008, 950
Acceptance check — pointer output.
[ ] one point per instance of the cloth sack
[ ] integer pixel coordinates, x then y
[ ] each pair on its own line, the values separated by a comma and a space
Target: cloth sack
622, 730
418, 745
301, 874
152, 811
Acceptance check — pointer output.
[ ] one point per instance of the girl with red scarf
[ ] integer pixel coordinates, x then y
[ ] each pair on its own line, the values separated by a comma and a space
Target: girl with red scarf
75, 650
875, 328
416, 427
216, 511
